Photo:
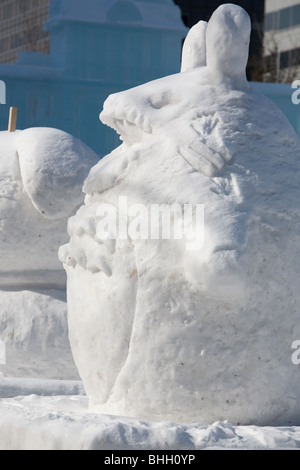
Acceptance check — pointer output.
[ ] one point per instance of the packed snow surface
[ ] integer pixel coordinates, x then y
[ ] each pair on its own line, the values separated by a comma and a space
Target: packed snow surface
34, 335
163, 330
63, 422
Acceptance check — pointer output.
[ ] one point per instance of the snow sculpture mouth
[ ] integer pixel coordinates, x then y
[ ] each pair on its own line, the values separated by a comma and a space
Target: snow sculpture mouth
133, 113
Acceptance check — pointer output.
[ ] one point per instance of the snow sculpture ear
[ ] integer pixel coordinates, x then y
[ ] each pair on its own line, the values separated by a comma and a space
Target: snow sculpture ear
227, 39
53, 167
194, 48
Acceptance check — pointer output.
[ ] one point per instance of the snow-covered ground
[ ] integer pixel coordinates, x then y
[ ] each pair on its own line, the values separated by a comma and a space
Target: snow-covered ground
53, 415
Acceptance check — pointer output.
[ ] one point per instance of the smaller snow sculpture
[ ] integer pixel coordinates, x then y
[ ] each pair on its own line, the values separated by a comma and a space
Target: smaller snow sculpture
42, 171
41, 177
162, 331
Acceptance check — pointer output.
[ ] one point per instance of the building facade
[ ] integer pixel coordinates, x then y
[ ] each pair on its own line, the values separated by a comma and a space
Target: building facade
93, 48
282, 40
21, 27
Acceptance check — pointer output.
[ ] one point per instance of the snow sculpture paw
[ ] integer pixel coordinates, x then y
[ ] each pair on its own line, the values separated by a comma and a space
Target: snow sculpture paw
202, 158
204, 154
89, 250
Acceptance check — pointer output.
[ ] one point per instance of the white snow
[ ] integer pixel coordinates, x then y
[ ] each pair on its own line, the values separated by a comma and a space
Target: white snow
34, 330
11, 387
162, 333
61, 422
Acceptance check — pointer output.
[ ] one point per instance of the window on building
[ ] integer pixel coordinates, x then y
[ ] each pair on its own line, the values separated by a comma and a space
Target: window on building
272, 21
285, 18
296, 15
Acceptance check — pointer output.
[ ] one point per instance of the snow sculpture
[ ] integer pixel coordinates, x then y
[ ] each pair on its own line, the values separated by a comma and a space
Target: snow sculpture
165, 330
42, 171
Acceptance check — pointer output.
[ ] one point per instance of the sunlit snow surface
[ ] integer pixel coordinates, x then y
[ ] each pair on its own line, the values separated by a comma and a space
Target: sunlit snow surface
62, 422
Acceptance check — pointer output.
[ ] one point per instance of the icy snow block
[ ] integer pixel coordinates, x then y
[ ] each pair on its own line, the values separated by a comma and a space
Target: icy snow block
180, 328
41, 178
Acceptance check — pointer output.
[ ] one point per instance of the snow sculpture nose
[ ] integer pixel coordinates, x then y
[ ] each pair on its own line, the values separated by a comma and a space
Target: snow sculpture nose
227, 41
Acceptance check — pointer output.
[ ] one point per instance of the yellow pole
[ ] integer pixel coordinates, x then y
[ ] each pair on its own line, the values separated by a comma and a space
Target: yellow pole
12, 123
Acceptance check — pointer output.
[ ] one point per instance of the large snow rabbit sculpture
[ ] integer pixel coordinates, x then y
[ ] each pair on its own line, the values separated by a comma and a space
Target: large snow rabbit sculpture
171, 330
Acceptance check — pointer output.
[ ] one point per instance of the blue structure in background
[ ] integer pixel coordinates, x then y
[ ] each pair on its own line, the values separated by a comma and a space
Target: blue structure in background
281, 95
98, 47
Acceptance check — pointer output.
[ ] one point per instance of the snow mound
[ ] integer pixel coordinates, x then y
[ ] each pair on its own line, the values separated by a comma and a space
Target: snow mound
175, 328
53, 166
34, 335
